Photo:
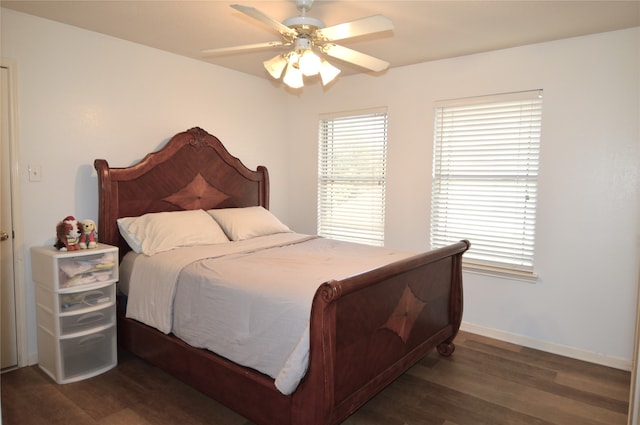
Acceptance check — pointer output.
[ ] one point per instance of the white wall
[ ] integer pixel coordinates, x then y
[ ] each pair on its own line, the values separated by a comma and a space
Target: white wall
83, 96
587, 253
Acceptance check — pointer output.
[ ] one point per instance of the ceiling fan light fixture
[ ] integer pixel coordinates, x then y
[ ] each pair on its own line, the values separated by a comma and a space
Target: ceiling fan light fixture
310, 35
309, 63
293, 76
328, 72
275, 66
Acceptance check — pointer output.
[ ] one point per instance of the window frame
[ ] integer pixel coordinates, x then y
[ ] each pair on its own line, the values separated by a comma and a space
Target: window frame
483, 159
364, 220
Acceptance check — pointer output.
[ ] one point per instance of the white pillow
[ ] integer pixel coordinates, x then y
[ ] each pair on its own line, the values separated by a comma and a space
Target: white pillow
248, 222
157, 232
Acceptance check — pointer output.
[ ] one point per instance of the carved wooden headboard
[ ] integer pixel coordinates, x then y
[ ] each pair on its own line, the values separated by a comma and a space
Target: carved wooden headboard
192, 171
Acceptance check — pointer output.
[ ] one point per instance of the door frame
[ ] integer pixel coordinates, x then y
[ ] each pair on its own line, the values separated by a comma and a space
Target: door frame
16, 211
634, 391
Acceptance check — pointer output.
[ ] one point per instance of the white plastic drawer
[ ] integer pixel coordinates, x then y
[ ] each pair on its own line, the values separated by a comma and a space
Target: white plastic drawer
85, 321
87, 269
78, 301
89, 354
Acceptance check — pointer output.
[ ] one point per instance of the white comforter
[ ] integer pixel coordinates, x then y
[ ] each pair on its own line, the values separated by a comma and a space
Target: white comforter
248, 301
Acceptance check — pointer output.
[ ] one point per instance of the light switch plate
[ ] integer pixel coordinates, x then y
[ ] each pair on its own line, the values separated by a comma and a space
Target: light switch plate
35, 173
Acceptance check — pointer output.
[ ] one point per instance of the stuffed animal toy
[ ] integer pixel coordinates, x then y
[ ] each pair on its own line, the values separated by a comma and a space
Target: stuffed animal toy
68, 234
88, 235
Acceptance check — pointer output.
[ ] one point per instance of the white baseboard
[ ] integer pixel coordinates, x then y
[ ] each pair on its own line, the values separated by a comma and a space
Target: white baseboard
549, 347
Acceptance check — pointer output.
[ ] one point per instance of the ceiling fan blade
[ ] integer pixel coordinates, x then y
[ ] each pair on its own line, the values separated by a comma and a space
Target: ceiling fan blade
355, 57
256, 14
372, 24
256, 46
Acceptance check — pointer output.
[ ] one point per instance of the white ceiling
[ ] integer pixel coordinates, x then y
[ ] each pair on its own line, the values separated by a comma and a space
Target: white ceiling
425, 30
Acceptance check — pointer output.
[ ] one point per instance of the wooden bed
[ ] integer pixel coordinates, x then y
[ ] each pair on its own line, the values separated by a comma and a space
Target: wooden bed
365, 330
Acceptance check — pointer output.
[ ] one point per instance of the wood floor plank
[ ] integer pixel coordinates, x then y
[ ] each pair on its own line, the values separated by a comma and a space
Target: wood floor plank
485, 382
539, 375
525, 398
465, 408
34, 400
595, 384
607, 387
124, 416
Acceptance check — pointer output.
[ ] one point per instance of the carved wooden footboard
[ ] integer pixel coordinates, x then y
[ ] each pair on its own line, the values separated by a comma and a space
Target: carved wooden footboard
368, 329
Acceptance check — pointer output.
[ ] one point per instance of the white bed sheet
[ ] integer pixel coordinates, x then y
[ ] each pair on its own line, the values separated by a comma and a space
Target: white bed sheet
247, 301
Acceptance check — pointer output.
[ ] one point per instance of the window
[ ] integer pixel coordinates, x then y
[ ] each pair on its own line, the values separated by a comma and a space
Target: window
485, 171
351, 177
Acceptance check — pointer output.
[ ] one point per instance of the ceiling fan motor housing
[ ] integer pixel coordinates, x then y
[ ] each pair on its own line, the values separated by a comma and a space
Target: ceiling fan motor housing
304, 24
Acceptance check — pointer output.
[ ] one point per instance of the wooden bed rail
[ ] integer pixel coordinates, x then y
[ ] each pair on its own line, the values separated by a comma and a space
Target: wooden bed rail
337, 288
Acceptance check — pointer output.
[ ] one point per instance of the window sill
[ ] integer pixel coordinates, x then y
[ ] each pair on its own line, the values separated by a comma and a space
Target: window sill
503, 273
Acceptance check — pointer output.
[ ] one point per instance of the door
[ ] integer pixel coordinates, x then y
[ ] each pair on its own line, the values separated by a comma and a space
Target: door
8, 331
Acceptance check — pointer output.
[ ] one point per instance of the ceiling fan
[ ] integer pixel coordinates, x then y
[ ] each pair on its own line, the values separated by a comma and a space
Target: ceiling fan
309, 36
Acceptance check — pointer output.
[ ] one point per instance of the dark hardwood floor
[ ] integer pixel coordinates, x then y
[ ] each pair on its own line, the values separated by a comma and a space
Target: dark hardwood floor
484, 382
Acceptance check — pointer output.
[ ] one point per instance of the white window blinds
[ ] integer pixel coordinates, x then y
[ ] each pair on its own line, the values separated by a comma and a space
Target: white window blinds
351, 177
485, 173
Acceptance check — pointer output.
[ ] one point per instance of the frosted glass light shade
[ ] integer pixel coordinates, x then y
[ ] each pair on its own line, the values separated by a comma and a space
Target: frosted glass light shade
293, 77
309, 63
275, 66
328, 72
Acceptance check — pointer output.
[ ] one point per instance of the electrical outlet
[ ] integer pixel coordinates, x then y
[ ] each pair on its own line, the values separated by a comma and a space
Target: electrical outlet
35, 173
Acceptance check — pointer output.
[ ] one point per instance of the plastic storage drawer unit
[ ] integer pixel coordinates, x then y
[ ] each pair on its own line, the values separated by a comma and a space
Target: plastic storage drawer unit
76, 310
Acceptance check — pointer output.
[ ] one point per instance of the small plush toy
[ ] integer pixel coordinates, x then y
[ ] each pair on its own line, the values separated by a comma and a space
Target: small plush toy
68, 234
88, 235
